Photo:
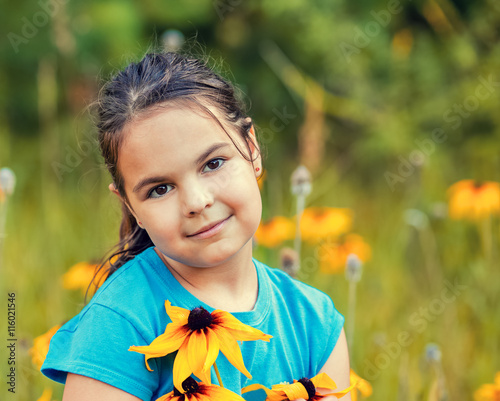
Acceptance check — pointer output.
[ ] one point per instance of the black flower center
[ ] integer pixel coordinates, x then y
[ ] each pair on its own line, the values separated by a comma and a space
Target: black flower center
189, 385
477, 184
309, 386
199, 318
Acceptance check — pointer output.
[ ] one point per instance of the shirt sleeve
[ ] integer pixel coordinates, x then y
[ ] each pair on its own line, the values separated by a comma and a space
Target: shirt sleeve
95, 344
333, 323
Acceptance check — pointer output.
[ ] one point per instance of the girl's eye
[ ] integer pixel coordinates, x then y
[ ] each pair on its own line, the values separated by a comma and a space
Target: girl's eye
159, 191
214, 164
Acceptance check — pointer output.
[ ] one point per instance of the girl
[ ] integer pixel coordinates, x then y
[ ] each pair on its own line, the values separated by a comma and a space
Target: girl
184, 160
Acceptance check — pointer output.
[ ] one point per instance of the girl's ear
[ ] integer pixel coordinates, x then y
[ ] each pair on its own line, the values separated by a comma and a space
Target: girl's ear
255, 151
113, 189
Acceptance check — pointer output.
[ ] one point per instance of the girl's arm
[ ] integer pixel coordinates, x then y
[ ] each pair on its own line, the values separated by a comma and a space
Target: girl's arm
337, 367
82, 388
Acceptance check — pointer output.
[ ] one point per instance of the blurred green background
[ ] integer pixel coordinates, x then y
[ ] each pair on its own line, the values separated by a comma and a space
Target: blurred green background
387, 103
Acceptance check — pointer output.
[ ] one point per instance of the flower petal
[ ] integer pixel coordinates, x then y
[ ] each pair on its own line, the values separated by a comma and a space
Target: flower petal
162, 345
324, 381
177, 314
181, 370
295, 390
360, 384
337, 394
230, 348
272, 395
213, 392
240, 331
213, 349
253, 387
497, 379
167, 397
197, 349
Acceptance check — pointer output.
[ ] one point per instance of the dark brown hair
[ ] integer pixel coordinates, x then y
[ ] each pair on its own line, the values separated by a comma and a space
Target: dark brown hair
157, 80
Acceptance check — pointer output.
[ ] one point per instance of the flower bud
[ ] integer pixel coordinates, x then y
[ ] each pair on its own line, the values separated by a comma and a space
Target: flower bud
416, 218
7, 180
353, 268
440, 210
301, 181
289, 260
432, 353
172, 40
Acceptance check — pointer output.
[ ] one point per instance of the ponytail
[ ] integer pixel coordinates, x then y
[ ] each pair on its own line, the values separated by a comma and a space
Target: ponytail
133, 241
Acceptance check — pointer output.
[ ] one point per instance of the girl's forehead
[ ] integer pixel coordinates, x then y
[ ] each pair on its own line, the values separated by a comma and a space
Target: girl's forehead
176, 117
170, 129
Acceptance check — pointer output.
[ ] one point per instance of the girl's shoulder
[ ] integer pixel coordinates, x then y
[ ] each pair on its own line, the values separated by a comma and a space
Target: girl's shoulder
134, 293
123, 312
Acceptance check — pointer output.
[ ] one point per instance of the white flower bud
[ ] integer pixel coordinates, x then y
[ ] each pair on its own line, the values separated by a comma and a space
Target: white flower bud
353, 268
7, 181
301, 181
432, 353
173, 40
416, 218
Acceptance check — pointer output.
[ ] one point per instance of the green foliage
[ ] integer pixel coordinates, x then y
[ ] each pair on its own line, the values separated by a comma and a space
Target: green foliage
419, 73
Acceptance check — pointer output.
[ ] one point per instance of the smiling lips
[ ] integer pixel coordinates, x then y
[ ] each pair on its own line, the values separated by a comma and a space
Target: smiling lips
210, 229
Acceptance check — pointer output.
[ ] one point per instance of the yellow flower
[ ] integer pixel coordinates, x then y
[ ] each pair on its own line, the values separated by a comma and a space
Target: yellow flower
489, 392
402, 43
194, 391
275, 231
198, 335
2, 195
303, 388
79, 276
360, 386
318, 223
82, 274
474, 200
41, 347
333, 256
46, 395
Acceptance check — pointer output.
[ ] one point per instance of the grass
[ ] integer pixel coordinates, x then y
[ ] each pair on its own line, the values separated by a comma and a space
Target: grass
404, 293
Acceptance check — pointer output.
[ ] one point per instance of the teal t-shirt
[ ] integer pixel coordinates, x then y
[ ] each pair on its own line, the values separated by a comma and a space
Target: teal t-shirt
129, 310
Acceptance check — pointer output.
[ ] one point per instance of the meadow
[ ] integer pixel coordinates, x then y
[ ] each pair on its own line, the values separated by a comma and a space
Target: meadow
395, 115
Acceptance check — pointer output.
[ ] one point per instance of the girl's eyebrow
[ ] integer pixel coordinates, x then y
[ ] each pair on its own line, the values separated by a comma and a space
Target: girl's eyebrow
210, 150
201, 158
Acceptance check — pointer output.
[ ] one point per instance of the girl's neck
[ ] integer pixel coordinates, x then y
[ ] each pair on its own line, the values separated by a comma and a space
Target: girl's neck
232, 286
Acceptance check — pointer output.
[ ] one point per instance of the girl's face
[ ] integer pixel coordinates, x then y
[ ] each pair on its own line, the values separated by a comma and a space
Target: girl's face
190, 188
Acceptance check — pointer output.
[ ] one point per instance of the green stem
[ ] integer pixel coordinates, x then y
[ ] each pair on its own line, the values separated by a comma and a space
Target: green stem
431, 261
218, 375
486, 235
3, 219
351, 313
301, 200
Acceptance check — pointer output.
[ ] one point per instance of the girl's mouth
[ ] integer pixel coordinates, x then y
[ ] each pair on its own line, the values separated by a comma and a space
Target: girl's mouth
210, 229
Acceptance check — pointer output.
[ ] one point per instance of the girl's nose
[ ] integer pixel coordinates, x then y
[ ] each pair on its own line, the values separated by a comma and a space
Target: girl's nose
197, 197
